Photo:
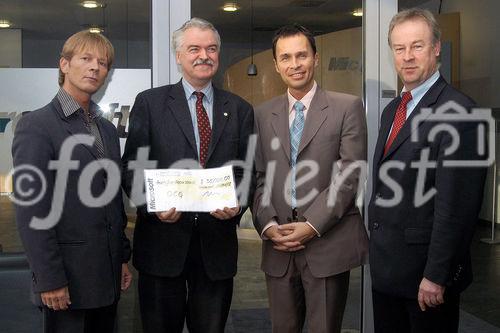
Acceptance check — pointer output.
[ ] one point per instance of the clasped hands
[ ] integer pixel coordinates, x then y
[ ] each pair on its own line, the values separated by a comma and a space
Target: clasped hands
290, 237
172, 215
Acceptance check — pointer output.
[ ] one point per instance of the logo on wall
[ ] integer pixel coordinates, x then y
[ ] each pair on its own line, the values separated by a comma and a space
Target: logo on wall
111, 113
344, 64
121, 116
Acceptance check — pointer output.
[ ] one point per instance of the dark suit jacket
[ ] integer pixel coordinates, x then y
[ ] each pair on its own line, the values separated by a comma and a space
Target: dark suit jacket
334, 133
409, 241
160, 119
86, 248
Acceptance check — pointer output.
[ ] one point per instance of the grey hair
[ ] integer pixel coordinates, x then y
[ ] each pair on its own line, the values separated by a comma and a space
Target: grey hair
414, 14
195, 22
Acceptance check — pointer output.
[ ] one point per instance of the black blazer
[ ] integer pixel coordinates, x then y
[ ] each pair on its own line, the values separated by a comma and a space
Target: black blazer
160, 119
411, 241
86, 248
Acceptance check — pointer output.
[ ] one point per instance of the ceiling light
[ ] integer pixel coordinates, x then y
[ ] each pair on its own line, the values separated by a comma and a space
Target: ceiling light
252, 68
91, 4
358, 12
96, 30
5, 24
230, 7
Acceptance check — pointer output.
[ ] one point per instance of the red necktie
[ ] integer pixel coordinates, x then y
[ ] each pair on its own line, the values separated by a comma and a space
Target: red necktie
204, 129
399, 120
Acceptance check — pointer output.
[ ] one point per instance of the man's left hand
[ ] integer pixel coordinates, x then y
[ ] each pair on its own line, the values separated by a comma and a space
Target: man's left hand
126, 277
226, 213
297, 235
430, 294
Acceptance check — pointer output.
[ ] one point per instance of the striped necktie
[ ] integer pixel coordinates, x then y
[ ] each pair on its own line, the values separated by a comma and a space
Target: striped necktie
204, 129
295, 136
399, 120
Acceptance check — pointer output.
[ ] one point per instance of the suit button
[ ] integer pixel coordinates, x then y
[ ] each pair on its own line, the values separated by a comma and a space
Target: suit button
375, 225
110, 227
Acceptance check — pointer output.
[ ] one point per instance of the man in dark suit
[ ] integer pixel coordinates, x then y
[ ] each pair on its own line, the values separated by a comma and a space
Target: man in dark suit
313, 232
187, 261
75, 243
422, 220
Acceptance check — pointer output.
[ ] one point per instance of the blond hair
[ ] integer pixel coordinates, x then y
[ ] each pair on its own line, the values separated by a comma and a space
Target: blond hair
415, 14
85, 40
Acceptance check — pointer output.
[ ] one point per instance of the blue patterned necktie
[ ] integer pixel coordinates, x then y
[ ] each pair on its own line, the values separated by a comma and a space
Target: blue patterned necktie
295, 135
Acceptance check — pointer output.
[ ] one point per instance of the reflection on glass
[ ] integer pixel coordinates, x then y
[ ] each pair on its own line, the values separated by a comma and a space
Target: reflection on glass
469, 60
338, 36
38, 30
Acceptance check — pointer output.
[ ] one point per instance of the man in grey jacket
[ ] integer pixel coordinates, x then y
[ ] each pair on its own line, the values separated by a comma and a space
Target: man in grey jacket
73, 231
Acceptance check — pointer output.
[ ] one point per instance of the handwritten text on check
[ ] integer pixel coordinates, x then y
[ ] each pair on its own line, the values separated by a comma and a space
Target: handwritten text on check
190, 190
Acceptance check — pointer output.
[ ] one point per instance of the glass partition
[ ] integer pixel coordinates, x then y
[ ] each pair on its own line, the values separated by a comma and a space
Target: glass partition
245, 39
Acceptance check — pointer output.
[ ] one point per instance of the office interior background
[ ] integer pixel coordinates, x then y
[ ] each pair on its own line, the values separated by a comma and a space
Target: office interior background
354, 58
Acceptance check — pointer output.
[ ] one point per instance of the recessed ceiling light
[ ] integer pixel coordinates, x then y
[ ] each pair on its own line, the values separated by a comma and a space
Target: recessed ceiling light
91, 4
5, 24
358, 12
96, 30
230, 7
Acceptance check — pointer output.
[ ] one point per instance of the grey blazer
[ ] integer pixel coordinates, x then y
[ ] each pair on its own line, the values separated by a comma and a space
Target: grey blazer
86, 248
334, 134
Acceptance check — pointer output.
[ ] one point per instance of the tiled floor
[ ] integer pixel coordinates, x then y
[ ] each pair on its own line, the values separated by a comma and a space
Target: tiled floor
481, 299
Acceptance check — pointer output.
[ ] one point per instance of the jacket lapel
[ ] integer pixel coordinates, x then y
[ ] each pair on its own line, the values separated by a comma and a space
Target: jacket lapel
428, 100
385, 128
221, 114
107, 138
177, 102
280, 124
316, 115
74, 125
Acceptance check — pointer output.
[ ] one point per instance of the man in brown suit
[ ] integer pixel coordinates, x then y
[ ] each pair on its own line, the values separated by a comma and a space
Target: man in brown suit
304, 206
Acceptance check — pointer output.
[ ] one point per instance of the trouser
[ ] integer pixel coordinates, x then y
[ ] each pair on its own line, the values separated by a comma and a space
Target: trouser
167, 301
394, 314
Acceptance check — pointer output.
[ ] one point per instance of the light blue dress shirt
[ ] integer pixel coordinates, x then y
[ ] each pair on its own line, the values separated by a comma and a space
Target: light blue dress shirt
419, 92
208, 103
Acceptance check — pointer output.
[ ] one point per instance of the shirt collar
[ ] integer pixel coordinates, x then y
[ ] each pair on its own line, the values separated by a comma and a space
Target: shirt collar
208, 90
306, 100
418, 92
69, 105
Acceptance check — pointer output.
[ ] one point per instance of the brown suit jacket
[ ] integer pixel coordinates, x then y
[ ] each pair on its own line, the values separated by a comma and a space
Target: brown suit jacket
334, 134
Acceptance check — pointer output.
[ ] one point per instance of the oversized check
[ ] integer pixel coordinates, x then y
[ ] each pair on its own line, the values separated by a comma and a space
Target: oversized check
190, 190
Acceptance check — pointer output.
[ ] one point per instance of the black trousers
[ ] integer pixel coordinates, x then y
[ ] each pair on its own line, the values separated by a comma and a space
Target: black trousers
167, 301
100, 320
400, 315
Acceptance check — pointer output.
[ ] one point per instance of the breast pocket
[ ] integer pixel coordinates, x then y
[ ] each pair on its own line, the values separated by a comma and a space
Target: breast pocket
72, 243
